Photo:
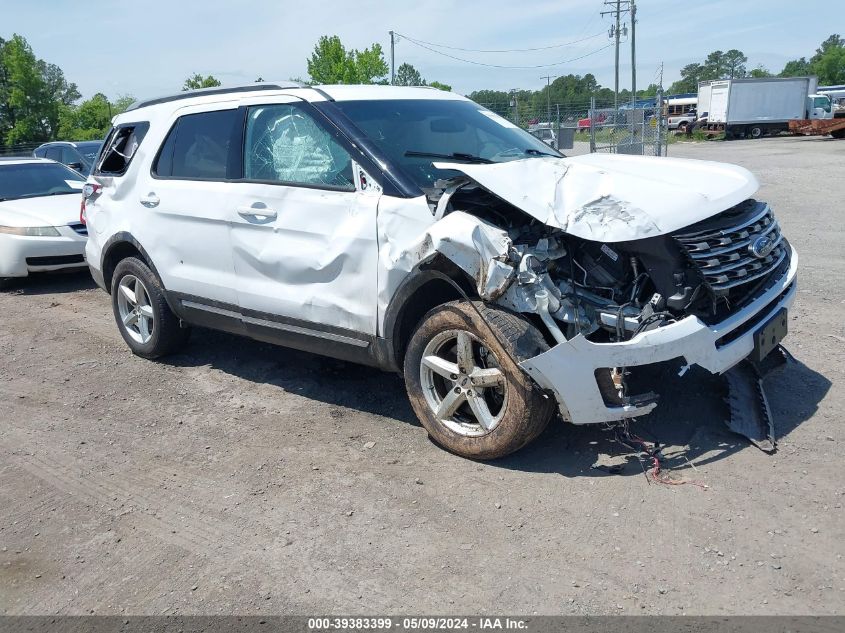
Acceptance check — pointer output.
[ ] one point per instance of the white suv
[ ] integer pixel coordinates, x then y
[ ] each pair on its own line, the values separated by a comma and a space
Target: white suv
414, 230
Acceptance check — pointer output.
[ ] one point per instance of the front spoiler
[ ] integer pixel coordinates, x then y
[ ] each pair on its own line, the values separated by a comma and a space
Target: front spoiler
568, 369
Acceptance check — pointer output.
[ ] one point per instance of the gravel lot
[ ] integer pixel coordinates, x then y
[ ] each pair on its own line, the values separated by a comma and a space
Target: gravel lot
239, 477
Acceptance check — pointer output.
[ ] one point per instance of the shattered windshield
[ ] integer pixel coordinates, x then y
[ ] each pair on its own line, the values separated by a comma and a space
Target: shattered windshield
415, 132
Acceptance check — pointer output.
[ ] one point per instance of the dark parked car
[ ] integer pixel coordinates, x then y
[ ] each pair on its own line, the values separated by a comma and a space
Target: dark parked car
76, 155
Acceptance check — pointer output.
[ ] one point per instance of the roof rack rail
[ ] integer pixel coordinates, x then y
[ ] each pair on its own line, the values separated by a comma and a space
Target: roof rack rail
201, 92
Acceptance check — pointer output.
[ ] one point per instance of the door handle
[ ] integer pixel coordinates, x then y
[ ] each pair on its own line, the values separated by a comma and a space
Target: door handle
150, 200
258, 212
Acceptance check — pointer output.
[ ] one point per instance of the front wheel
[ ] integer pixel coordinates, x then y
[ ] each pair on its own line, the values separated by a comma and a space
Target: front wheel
464, 383
143, 317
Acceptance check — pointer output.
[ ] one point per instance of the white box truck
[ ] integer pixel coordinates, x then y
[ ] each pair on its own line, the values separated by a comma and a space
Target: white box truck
755, 107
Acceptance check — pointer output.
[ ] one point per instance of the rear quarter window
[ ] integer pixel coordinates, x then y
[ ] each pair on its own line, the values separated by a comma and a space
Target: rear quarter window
197, 146
120, 148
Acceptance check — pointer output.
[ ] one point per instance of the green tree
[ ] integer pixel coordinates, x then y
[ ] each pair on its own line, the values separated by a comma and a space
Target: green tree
370, 66
440, 86
32, 93
691, 74
759, 71
734, 61
796, 68
91, 119
648, 92
407, 75
121, 104
829, 61
197, 81
331, 63
714, 66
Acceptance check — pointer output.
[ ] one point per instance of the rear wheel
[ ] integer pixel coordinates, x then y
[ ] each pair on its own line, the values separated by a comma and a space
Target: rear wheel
464, 384
755, 131
143, 317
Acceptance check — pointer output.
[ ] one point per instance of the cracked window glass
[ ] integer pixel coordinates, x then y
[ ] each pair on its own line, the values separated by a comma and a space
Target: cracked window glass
285, 144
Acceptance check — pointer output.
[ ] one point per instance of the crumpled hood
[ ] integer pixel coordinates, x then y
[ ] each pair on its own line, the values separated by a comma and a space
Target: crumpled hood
42, 211
611, 197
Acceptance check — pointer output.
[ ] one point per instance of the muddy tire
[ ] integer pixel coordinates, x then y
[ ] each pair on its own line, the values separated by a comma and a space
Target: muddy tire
466, 388
144, 319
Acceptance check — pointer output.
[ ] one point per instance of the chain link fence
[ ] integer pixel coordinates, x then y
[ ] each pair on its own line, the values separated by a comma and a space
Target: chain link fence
592, 126
639, 129
16, 151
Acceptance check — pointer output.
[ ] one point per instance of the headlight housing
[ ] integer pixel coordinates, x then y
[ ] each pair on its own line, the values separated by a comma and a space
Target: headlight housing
31, 231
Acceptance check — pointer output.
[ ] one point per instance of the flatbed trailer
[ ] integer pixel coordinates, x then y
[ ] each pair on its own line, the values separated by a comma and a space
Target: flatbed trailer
818, 127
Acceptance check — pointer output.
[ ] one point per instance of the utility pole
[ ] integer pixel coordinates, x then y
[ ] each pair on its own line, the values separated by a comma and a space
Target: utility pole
392, 58
616, 84
616, 31
548, 98
633, 53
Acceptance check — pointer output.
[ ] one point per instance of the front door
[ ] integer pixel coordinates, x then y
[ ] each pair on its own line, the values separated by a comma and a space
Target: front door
303, 231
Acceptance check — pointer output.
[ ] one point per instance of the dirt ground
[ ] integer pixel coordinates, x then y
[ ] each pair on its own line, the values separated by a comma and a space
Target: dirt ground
242, 478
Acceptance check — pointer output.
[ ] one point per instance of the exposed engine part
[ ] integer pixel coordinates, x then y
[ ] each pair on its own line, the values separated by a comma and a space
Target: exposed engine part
750, 414
542, 298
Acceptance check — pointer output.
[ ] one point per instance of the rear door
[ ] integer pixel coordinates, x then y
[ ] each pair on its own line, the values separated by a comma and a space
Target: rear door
303, 233
186, 203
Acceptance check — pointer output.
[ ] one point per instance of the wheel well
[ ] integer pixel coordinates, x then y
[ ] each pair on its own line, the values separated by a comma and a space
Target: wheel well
113, 257
436, 288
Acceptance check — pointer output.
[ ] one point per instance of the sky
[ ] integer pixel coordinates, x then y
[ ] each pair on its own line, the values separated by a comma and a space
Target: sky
148, 47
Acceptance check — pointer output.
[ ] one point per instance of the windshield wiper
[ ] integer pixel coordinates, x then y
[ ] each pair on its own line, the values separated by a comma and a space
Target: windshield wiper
537, 152
44, 195
470, 158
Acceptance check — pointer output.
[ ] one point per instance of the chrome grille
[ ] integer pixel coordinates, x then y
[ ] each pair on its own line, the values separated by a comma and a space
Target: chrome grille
725, 256
79, 228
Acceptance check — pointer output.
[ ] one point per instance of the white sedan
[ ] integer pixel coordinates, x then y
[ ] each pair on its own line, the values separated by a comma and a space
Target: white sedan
40, 229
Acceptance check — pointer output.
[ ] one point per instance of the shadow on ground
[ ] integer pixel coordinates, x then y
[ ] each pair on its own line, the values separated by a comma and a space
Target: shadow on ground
317, 377
688, 422
59, 282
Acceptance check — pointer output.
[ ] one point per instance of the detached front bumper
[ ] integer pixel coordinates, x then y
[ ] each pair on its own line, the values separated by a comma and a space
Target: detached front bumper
21, 254
568, 369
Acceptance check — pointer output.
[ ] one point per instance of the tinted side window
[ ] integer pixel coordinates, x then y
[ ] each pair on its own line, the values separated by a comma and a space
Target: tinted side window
70, 155
197, 147
54, 153
285, 144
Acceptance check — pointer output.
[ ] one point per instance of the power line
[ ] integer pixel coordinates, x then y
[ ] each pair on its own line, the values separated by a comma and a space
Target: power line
470, 61
500, 50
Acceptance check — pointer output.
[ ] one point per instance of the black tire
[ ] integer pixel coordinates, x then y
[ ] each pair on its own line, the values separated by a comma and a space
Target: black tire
167, 336
682, 127
756, 131
524, 413
838, 133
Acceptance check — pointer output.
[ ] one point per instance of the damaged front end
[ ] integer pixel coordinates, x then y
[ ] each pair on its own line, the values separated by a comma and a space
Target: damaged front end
649, 292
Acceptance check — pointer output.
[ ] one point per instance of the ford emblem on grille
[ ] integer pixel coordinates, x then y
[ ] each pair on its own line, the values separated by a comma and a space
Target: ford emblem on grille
761, 247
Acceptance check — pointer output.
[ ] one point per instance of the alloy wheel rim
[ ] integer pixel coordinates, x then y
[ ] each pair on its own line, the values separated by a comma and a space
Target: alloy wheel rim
463, 383
136, 311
